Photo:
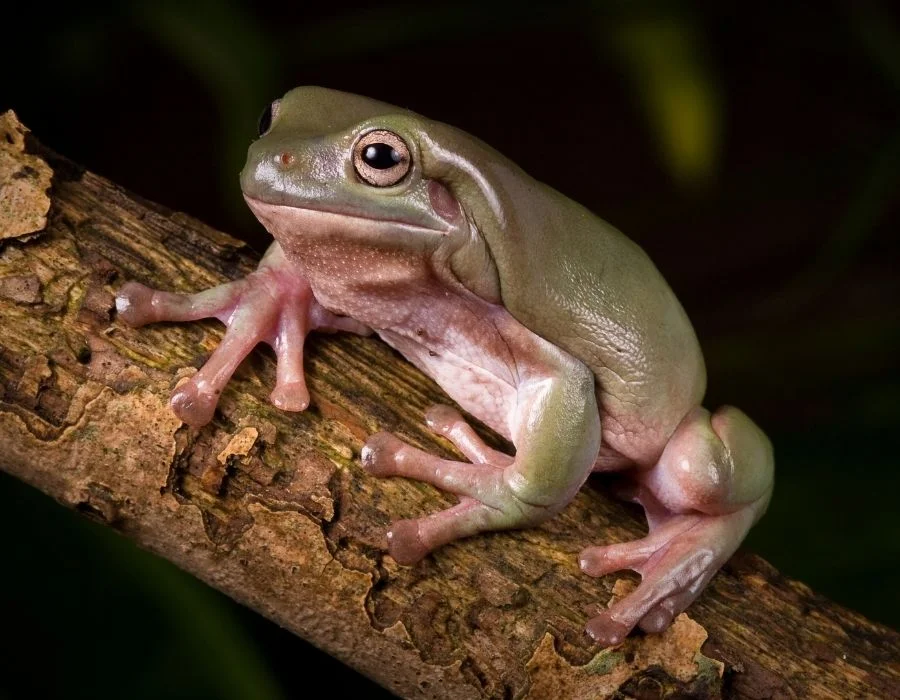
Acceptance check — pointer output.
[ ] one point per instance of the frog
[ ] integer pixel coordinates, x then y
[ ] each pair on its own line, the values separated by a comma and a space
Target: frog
535, 316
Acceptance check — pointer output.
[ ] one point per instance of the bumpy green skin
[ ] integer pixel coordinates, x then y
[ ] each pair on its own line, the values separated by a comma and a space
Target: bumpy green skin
534, 314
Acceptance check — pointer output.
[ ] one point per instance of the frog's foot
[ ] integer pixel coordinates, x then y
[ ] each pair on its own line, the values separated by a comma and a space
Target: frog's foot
273, 305
486, 500
711, 484
676, 561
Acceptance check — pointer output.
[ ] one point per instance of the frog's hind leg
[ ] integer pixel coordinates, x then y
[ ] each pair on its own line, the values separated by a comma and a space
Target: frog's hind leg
480, 485
274, 305
713, 481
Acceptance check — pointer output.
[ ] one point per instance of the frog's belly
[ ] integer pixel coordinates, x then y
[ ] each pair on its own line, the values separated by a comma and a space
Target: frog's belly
479, 392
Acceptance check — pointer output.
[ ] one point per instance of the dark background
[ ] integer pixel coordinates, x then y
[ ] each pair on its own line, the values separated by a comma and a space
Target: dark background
755, 154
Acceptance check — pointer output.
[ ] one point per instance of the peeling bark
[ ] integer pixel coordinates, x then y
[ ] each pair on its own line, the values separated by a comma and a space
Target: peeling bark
274, 509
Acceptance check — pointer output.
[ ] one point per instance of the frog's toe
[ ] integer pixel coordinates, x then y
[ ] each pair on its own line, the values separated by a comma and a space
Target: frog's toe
667, 588
602, 560
404, 543
448, 422
137, 304
441, 418
192, 405
486, 500
659, 619
410, 540
675, 560
599, 561
379, 455
650, 605
606, 631
385, 454
290, 396
134, 304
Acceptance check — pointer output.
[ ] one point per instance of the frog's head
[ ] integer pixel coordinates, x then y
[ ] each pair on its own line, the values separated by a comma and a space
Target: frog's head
333, 166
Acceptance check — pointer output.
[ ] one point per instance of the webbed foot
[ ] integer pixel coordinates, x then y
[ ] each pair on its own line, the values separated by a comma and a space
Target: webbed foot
712, 482
675, 560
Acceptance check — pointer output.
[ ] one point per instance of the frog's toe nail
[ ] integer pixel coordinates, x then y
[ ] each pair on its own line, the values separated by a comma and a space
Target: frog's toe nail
290, 396
606, 631
405, 544
134, 303
379, 454
191, 406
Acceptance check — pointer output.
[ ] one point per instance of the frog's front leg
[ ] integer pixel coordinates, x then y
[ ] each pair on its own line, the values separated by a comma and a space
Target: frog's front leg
556, 432
273, 305
712, 482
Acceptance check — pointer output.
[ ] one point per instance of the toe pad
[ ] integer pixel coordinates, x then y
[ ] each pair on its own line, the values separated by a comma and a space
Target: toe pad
134, 304
379, 454
606, 631
404, 543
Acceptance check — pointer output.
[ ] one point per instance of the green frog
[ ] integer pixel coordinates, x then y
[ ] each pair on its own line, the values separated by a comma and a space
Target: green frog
533, 314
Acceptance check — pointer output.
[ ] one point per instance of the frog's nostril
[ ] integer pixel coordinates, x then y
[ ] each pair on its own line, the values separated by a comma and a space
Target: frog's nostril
286, 159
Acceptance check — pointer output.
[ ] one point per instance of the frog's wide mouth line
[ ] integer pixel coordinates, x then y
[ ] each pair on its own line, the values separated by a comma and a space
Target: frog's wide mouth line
258, 206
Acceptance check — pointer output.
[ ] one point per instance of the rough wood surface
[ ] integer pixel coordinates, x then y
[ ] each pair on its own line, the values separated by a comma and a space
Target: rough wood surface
275, 510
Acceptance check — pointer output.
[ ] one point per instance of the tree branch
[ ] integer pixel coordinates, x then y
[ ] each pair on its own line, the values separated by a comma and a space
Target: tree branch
274, 509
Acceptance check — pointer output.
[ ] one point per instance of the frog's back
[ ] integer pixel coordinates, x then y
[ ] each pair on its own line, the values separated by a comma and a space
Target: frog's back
578, 282
589, 289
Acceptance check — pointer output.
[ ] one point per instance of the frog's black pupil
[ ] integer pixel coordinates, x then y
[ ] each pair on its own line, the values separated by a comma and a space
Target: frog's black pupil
381, 156
265, 120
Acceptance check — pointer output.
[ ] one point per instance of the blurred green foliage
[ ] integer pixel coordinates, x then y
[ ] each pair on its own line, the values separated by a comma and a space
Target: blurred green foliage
663, 55
754, 152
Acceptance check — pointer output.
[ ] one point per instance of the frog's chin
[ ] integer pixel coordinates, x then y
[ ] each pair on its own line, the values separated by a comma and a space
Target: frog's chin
289, 220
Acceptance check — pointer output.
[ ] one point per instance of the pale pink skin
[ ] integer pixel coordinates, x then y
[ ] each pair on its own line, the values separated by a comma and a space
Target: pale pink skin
703, 479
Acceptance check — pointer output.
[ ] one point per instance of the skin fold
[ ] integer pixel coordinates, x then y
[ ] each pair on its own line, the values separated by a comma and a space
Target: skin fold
533, 314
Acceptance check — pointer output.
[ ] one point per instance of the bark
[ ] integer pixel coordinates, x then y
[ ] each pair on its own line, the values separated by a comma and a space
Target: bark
274, 509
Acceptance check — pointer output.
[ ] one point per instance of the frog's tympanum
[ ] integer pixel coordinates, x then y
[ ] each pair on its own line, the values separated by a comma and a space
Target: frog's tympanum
533, 314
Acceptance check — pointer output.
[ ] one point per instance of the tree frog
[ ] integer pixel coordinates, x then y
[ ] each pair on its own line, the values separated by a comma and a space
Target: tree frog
533, 314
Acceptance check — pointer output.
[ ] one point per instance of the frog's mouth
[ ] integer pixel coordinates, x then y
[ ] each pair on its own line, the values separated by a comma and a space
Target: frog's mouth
290, 221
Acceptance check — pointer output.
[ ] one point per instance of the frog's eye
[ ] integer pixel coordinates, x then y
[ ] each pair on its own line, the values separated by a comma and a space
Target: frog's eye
265, 119
381, 158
